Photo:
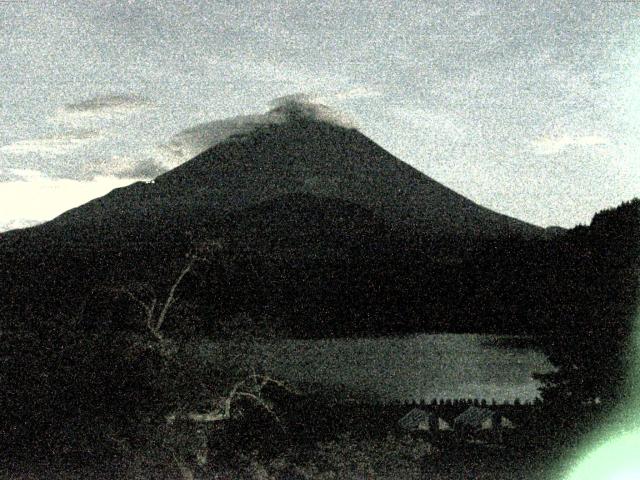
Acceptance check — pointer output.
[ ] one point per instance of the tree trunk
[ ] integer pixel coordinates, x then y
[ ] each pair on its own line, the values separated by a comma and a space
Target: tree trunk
171, 297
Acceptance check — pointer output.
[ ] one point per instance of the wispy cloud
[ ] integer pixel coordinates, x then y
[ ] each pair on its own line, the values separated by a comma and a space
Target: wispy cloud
122, 167
145, 169
20, 174
553, 145
52, 145
15, 174
16, 223
76, 116
311, 107
103, 106
194, 140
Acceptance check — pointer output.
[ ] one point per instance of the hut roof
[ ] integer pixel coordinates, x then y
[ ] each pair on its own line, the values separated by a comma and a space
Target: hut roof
414, 417
474, 416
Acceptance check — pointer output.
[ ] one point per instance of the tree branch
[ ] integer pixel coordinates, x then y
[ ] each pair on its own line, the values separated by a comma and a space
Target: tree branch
223, 410
200, 253
172, 294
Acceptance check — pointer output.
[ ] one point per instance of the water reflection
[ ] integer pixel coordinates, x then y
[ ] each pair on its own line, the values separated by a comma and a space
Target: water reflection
414, 367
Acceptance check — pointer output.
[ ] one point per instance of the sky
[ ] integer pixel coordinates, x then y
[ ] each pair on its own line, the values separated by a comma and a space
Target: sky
529, 108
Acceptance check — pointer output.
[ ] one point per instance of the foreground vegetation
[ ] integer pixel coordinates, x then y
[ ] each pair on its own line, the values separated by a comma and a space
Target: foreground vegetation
117, 406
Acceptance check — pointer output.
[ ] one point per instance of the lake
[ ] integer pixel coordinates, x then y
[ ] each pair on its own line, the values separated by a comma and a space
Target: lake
411, 367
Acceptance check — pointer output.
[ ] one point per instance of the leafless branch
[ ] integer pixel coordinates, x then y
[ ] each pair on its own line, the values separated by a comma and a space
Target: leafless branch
145, 297
223, 406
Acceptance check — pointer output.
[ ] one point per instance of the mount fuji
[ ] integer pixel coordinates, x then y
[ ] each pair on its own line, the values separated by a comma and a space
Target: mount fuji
308, 210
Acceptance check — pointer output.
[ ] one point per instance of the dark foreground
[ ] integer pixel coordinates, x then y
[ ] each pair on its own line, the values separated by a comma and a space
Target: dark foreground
343, 442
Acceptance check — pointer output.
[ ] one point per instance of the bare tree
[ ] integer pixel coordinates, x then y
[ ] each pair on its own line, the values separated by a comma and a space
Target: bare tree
186, 424
145, 296
251, 387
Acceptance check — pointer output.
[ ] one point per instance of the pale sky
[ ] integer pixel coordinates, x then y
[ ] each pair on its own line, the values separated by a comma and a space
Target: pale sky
529, 108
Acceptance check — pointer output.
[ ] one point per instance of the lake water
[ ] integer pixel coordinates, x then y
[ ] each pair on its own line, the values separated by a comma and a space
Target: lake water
411, 367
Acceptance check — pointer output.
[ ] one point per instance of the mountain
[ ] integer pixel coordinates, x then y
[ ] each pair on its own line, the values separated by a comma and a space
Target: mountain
309, 204
299, 156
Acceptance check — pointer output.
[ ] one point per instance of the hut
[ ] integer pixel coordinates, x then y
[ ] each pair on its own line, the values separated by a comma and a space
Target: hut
482, 423
420, 420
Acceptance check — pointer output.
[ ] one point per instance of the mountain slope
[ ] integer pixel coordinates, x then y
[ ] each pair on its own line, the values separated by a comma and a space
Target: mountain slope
300, 156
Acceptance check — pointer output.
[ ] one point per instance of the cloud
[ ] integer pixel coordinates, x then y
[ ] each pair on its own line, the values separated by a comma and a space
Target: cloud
194, 140
103, 106
37, 198
18, 174
308, 107
15, 174
76, 115
121, 167
186, 144
52, 145
553, 145
145, 169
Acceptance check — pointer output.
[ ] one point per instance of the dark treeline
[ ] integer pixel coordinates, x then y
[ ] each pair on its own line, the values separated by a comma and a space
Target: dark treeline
332, 278
588, 332
358, 283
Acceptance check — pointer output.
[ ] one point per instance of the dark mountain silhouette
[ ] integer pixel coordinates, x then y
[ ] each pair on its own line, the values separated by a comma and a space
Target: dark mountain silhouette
316, 219
299, 156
